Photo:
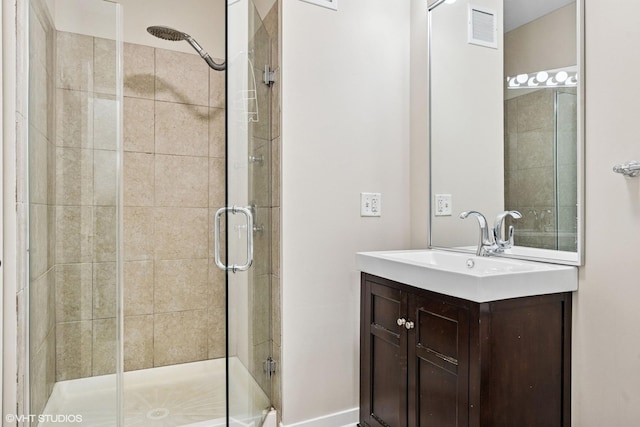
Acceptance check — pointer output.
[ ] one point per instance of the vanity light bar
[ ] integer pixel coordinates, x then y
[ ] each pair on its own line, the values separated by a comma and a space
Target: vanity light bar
543, 79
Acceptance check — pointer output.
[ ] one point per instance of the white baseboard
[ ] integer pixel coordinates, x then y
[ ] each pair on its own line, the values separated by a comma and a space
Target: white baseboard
348, 418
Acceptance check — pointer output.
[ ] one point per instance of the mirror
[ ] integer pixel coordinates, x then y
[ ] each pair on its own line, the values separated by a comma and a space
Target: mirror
505, 123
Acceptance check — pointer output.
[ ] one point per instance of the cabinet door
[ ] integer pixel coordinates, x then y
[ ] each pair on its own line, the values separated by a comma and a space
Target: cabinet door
438, 363
383, 357
526, 362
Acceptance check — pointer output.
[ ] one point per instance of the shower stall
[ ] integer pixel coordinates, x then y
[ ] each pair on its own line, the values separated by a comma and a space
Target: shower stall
153, 279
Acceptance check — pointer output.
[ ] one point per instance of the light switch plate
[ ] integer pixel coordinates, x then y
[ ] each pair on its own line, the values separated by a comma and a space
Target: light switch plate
370, 204
443, 205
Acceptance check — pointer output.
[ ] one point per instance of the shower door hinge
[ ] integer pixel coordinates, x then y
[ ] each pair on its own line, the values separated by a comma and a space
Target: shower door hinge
268, 77
270, 367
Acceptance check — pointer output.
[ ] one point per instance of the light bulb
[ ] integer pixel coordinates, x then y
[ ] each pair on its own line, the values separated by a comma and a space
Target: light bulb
532, 82
561, 76
522, 78
542, 76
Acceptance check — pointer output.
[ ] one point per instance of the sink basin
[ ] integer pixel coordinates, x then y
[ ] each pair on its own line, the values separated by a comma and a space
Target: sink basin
479, 279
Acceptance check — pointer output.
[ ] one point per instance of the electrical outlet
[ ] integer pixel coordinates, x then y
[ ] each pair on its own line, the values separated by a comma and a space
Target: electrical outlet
443, 205
370, 204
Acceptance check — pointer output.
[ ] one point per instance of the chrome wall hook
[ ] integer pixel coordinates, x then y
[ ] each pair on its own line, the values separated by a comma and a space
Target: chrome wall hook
629, 169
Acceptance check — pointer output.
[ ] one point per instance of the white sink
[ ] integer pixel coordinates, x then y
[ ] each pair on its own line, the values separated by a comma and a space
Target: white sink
479, 279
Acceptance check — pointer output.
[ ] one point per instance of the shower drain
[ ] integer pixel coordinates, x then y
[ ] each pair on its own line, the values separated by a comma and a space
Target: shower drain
158, 413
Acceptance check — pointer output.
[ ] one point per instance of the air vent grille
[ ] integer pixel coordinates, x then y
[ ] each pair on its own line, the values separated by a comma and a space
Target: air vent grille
483, 27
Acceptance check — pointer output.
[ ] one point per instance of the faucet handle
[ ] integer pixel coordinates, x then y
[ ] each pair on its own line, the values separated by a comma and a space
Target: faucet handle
485, 245
497, 229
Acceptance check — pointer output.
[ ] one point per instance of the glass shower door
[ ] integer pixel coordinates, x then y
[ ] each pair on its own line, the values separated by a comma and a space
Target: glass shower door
74, 246
247, 217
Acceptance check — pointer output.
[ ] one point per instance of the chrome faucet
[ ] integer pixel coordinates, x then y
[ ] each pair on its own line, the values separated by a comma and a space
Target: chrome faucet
485, 246
496, 245
501, 244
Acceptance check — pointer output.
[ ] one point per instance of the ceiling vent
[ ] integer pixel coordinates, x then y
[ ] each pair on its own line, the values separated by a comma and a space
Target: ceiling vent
483, 27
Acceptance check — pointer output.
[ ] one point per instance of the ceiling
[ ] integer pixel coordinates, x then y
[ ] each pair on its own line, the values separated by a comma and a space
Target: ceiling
519, 12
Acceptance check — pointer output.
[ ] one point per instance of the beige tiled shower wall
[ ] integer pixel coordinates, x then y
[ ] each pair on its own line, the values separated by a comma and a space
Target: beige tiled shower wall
173, 117
264, 195
173, 183
534, 148
42, 352
86, 170
272, 26
260, 196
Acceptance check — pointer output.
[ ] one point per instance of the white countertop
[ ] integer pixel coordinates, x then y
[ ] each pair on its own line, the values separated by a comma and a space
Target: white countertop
479, 279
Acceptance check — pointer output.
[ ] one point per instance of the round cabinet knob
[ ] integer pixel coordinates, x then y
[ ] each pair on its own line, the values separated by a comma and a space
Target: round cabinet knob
409, 325
401, 321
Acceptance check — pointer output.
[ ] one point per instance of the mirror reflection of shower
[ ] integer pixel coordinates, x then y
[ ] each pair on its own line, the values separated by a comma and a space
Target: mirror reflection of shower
168, 33
540, 128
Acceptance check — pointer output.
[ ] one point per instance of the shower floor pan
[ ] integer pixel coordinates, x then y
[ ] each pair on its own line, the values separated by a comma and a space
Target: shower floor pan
185, 395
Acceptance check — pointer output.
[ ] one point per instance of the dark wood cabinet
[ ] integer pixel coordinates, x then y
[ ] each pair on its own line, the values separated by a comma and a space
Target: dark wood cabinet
430, 360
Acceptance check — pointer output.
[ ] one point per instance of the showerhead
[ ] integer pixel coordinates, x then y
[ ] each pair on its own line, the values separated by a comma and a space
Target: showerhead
167, 33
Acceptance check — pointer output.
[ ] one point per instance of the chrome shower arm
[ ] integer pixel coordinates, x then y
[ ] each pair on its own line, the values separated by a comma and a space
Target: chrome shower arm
204, 55
213, 64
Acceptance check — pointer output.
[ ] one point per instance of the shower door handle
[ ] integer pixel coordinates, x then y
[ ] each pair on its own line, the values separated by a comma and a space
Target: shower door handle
249, 227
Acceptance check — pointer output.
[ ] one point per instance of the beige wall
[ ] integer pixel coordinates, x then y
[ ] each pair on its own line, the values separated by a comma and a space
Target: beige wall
606, 349
467, 129
202, 19
418, 128
556, 29
345, 130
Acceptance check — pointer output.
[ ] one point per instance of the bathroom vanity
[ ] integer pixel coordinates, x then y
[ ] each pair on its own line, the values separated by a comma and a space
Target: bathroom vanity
431, 359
